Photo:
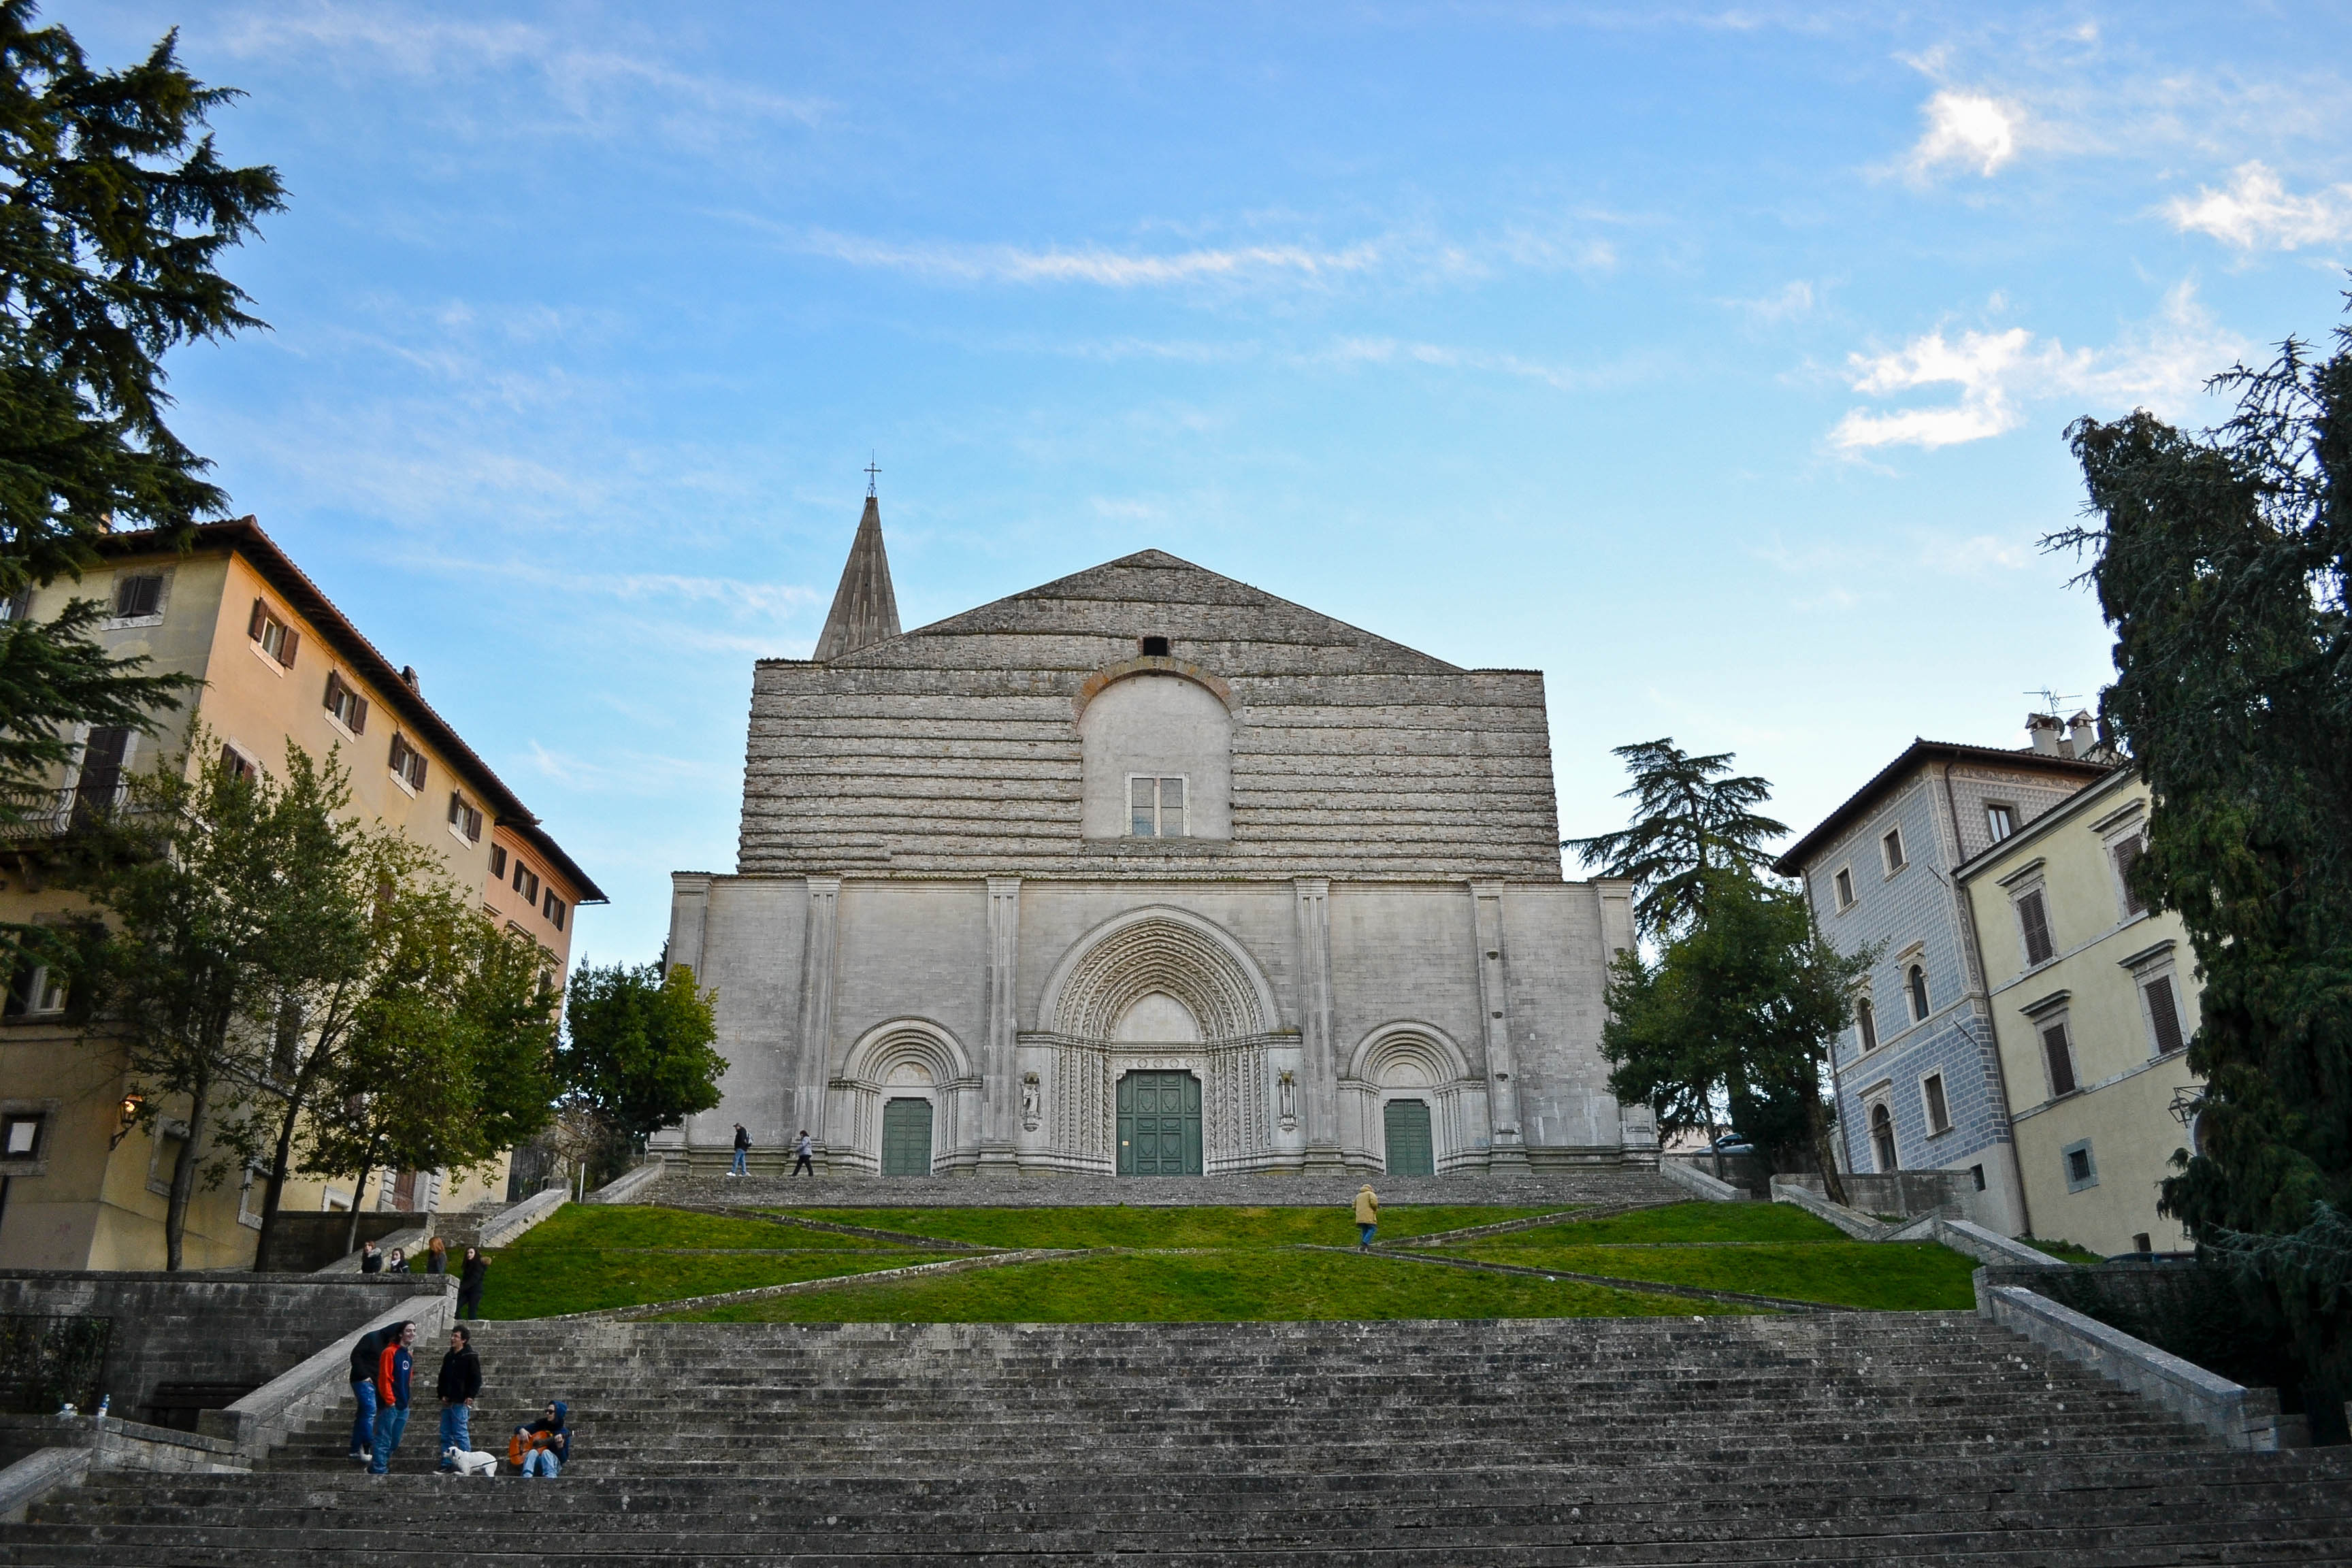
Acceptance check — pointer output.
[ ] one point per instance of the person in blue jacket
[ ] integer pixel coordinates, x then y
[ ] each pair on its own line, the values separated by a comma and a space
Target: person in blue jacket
364, 1356
391, 1370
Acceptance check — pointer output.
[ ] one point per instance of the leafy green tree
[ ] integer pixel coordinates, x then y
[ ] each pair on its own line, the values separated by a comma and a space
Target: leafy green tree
2219, 560
638, 1050
1742, 1006
1691, 817
114, 210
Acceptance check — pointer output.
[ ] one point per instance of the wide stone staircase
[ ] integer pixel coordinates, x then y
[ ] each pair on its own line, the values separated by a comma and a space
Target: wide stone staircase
1608, 1186
1845, 1438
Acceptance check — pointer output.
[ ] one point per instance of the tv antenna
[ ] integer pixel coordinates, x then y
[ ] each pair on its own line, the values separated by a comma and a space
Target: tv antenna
2051, 702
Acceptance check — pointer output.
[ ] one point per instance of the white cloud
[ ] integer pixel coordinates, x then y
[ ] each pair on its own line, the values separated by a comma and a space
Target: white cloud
2161, 364
1092, 264
1970, 129
2254, 212
1794, 300
1977, 555
1389, 351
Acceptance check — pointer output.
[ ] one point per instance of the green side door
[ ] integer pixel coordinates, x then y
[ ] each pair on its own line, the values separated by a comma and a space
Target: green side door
906, 1137
1408, 1149
1159, 1124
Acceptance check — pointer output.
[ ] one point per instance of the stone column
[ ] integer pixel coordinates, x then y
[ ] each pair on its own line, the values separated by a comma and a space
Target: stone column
814, 1040
1508, 1150
1320, 1065
1000, 1088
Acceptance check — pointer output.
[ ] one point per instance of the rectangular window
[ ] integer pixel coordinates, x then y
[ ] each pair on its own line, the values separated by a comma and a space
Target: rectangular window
498, 860
102, 756
137, 596
2000, 821
236, 763
1844, 889
554, 909
2034, 921
2163, 1015
464, 817
407, 762
1156, 808
34, 991
20, 1137
1893, 847
16, 606
348, 708
1866, 1022
2059, 1054
277, 639
2127, 856
2082, 1171
1939, 1114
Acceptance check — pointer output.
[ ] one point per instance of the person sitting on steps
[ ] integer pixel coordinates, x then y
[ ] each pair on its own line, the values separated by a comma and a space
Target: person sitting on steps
542, 1447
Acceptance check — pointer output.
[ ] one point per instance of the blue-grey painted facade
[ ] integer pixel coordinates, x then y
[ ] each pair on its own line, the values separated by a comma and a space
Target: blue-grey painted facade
1936, 798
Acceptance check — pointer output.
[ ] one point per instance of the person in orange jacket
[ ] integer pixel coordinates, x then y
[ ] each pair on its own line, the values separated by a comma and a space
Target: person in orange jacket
392, 1368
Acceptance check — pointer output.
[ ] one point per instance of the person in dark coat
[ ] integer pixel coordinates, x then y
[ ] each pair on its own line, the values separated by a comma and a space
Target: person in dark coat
399, 1263
364, 1356
460, 1380
542, 1448
437, 1256
371, 1260
741, 1167
470, 1278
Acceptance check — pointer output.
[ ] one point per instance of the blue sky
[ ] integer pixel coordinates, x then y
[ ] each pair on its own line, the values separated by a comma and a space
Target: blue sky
1714, 362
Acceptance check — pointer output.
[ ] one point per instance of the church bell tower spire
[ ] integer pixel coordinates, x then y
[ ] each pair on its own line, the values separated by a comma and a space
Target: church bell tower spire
864, 609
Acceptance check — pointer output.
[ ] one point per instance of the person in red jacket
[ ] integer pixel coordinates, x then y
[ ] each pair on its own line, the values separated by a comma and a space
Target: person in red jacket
392, 1368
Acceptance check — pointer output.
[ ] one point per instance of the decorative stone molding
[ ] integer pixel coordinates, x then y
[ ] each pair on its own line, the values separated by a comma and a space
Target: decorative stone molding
1158, 948
1151, 664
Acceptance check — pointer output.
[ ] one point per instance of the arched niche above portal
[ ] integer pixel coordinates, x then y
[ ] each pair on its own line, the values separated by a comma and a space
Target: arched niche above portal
1142, 724
1157, 1019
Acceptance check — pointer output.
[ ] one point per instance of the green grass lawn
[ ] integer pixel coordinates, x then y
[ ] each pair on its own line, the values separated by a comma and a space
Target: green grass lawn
1142, 1226
2065, 1251
1226, 1285
586, 1257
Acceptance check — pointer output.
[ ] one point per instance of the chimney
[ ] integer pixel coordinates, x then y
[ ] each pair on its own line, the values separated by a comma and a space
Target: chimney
2044, 729
408, 678
2081, 733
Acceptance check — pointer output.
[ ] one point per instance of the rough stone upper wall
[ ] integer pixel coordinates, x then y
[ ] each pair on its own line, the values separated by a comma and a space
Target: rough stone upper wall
955, 749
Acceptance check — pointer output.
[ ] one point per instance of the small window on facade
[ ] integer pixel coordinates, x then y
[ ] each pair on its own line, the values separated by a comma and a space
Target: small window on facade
2127, 856
1893, 846
1155, 647
277, 639
16, 606
407, 762
1157, 808
20, 1137
554, 909
1917, 984
348, 708
2163, 1015
464, 816
1976, 1175
35, 990
2140, 1242
1844, 889
140, 595
236, 763
2082, 1171
498, 859
1939, 1114
1866, 1022
1882, 1137
2059, 1054
2034, 921
2000, 821
103, 755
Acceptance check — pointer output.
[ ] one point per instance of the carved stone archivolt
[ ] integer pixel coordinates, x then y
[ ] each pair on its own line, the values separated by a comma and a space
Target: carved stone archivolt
1167, 951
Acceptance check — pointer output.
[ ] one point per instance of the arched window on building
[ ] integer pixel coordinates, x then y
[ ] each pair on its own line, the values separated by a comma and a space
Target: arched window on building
1919, 982
1866, 1022
1882, 1137
1157, 754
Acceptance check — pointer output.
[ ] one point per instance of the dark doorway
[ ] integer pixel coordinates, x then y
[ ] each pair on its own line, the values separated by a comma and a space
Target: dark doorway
906, 1137
1409, 1150
1159, 1124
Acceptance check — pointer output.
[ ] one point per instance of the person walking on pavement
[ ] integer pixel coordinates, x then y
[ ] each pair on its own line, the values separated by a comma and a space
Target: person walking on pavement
742, 1153
1368, 1216
470, 1278
803, 1150
391, 1370
364, 1356
460, 1380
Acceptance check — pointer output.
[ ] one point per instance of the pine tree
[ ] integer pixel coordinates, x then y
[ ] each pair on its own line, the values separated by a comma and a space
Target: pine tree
1690, 819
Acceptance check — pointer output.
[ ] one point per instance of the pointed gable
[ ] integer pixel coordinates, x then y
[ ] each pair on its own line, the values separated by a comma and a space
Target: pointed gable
865, 607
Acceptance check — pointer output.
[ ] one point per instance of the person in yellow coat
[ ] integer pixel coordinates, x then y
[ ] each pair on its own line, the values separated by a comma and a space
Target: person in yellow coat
1368, 1216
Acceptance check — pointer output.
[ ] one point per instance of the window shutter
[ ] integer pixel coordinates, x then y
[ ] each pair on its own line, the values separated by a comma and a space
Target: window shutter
253, 623
2036, 921
286, 651
456, 801
334, 689
2164, 1015
1865, 1019
359, 715
2062, 1060
2128, 856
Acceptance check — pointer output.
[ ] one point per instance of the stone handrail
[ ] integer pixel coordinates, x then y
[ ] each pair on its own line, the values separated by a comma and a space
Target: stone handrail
264, 1418
1991, 1247
1699, 1184
509, 1223
625, 1187
2242, 1417
1853, 1222
36, 1475
410, 1243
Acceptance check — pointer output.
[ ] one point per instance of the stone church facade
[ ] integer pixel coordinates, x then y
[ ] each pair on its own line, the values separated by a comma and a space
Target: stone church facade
1147, 872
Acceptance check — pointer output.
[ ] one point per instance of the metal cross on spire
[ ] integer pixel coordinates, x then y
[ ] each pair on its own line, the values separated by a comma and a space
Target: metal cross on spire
873, 469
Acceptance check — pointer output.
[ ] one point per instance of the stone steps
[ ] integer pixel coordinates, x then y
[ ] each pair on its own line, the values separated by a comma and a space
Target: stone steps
840, 1190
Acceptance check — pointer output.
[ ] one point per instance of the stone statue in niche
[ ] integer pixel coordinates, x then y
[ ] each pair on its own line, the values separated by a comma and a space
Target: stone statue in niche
1032, 1099
1286, 1092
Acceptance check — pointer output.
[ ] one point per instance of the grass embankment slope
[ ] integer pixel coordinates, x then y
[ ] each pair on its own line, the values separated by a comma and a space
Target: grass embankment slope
1143, 1225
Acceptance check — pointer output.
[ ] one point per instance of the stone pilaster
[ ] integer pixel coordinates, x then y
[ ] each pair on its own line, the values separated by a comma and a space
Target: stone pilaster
1000, 1092
1313, 895
1508, 1151
814, 1040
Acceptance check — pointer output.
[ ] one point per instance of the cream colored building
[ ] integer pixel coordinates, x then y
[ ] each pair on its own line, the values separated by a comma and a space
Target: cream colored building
2094, 1000
79, 1187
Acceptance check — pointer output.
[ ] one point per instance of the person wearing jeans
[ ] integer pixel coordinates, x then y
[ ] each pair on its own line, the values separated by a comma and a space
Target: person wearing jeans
461, 1379
540, 1448
742, 1153
392, 1397
364, 1355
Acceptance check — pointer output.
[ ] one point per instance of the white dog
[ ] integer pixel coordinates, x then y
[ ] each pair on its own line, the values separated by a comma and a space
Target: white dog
471, 1463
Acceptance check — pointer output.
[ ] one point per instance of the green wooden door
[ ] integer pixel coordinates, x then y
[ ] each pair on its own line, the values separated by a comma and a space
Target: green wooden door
1159, 1124
1409, 1153
906, 1137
